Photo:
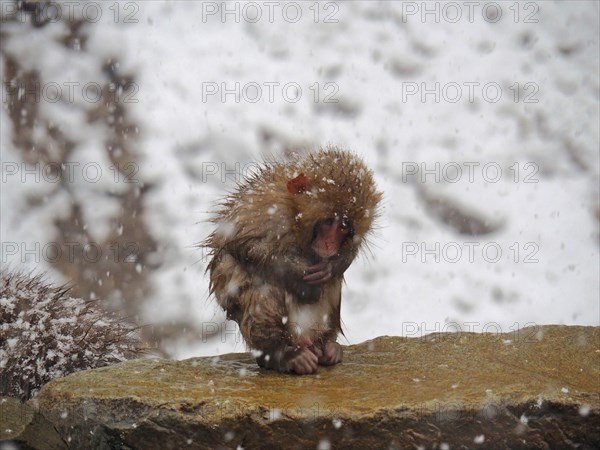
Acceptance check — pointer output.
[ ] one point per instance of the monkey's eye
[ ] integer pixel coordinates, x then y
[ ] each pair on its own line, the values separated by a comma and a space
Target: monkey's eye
345, 224
328, 222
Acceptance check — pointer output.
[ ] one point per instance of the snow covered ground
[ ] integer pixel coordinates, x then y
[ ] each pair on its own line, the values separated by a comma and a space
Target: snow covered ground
490, 108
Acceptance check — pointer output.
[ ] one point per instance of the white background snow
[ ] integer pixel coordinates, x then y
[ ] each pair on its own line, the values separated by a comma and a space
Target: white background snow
540, 58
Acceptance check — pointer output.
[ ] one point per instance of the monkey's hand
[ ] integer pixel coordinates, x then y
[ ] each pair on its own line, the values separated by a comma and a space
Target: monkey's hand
332, 354
319, 273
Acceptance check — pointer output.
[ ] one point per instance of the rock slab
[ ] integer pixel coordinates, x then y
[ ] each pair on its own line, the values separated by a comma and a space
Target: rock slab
535, 388
23, 428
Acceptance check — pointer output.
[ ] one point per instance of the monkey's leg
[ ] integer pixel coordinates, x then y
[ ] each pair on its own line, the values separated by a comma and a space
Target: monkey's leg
262, 326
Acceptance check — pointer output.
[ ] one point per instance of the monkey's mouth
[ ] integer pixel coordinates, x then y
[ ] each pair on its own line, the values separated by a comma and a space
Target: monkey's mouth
327, 249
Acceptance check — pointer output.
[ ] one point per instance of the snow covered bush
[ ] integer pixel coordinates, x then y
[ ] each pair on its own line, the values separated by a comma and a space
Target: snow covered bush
45, 333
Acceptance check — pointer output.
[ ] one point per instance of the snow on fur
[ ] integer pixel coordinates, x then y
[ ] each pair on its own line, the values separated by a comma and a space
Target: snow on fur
46, 333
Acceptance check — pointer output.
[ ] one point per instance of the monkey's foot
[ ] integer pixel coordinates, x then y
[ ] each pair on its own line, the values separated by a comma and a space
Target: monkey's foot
301, 361
332, 354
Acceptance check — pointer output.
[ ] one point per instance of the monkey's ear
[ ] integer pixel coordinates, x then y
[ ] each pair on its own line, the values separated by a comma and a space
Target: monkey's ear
299, 184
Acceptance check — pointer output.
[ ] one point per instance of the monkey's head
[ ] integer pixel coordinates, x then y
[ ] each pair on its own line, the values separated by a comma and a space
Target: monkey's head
335, 201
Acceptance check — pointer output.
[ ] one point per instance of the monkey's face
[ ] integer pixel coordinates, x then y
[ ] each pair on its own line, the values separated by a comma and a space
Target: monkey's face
330, 234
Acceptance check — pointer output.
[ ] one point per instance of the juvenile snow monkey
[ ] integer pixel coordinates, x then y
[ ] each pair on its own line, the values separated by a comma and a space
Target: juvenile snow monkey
282, 243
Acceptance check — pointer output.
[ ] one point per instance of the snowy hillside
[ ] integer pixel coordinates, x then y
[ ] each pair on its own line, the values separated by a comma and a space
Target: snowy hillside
480, 123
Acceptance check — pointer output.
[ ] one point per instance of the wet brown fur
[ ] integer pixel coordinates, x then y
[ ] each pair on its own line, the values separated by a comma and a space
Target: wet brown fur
262, 245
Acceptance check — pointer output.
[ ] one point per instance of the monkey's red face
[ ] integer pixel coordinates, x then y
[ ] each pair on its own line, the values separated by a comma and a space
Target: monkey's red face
329, 235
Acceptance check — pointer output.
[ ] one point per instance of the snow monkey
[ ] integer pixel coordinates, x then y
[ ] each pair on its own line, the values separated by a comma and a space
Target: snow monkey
282, 243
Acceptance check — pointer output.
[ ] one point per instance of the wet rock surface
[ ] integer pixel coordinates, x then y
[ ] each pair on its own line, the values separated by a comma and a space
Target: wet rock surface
24, 428
536, 388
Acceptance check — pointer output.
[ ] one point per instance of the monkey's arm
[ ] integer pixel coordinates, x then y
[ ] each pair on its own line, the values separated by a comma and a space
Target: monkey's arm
284, 268
297, 267
263, 255
297, 272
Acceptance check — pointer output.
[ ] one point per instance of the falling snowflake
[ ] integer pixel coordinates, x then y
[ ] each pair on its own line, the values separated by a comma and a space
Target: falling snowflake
324, 444
584, 410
